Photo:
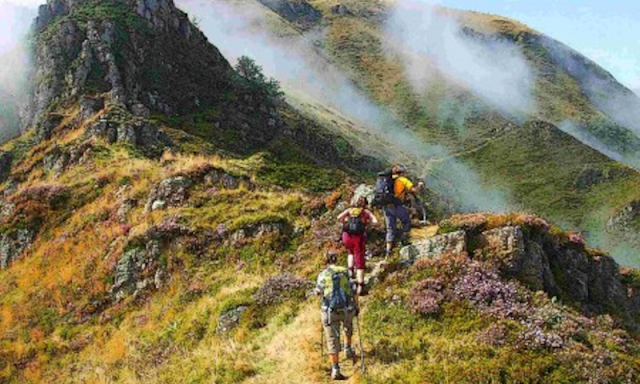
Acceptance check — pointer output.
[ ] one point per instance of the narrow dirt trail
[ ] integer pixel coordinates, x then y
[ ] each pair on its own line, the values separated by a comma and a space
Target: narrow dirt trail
292, 355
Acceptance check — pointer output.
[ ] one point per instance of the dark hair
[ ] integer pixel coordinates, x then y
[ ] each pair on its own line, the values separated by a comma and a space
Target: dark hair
362, 202
398, 169
331, 257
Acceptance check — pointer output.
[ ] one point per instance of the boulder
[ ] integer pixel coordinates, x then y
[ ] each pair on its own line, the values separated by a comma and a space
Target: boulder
171, 192
230, 319
455, 242
12, 245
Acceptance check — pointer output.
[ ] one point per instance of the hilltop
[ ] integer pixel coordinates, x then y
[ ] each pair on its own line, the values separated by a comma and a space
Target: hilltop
165, 214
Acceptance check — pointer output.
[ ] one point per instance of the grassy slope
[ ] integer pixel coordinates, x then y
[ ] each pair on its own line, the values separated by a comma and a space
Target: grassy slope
48, 332
541, 174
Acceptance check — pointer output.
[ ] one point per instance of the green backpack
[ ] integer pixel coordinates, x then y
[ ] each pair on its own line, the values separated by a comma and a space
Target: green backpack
338, 293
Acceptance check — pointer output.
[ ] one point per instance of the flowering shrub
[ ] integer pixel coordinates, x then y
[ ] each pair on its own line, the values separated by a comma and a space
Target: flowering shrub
426, 296
282, 287
495, 335
576, 238
485, 290
534, 337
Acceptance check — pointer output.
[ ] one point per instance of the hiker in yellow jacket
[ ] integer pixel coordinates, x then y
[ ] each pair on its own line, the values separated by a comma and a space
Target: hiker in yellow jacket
402, 187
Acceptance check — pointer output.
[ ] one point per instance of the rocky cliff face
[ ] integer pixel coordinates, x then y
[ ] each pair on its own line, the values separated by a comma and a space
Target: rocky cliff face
526, 249
144, 55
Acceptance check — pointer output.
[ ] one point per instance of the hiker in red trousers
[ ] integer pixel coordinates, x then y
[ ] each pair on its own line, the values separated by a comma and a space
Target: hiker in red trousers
354, 237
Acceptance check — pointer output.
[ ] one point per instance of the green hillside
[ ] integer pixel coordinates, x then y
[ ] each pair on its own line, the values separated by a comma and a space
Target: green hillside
167, 213
542, 171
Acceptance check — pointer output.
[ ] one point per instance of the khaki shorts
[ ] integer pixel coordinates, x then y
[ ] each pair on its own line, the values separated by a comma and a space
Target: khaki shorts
332, 328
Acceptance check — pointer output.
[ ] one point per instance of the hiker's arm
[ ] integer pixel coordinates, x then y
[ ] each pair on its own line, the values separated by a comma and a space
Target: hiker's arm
319, 285
343, 215
417, 187
374, 220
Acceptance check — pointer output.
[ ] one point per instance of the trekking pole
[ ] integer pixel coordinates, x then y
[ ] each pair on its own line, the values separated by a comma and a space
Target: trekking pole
361, 347
322, 342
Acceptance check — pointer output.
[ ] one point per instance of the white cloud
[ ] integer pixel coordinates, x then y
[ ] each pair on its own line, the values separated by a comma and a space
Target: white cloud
24, 3
495, 70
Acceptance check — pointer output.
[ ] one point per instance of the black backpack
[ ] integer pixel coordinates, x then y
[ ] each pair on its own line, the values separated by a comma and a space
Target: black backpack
384, 191
355, 222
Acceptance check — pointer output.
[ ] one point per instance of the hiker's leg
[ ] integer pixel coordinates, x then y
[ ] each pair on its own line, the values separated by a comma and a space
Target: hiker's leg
348, 327
403, 214
347, 240
332, 334
390, 220
360, 264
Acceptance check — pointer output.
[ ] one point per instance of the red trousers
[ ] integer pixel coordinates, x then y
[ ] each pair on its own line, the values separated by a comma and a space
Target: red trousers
355, 245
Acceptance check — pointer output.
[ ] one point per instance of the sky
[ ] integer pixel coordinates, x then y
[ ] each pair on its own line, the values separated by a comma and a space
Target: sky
606, 31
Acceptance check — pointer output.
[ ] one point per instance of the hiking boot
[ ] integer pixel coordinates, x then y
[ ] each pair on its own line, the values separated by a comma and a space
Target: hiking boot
336, 375
349, 353
368, 256
387, 254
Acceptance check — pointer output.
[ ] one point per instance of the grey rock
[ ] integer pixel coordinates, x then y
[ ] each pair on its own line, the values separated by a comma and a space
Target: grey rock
12, 245
455, 242
172, 192
623, 220
341, 9
158, 204
6, 159
297, 11
230, 319
89, 106
127, 205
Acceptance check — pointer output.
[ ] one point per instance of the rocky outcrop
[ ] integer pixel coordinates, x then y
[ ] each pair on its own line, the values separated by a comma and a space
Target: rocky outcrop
561, 267
299, 12
120, 126
564, 269
6, 159
13, 244
623, 220
171, 192
174, 191
341, 9
455, 242
60, 159
145, 54
141, 267
253, 232
230, 319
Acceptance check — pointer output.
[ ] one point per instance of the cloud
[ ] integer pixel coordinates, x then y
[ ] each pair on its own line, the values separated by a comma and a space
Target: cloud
593, 142
429, 39
15, 22
243, 28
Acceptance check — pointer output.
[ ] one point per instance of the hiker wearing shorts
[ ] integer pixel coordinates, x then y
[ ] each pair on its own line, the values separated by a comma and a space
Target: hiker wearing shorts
354, 237
393, 212
338, 309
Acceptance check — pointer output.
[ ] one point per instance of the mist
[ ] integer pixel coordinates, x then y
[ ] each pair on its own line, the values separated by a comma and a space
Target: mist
430, 41
603, 90
15, 22
242, 28
589, 140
